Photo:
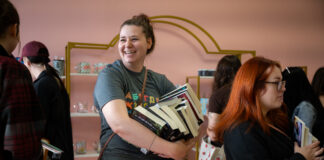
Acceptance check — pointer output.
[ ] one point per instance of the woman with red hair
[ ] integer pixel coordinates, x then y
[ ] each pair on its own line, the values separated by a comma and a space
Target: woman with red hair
254, 124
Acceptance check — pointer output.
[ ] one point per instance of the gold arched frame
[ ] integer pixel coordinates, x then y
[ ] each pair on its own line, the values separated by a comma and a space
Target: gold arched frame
155, 19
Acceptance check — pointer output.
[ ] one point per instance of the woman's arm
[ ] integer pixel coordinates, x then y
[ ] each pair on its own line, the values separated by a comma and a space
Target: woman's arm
117, 117
212, 121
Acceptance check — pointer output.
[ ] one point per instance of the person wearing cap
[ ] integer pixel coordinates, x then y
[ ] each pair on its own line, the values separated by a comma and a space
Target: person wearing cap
52, 95
21, 118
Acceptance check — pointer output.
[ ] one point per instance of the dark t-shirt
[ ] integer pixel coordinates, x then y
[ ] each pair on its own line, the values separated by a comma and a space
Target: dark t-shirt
245, 143
117, 82
218, 99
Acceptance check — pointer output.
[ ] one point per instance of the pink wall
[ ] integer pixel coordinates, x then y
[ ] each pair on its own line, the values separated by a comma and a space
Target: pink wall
290, 31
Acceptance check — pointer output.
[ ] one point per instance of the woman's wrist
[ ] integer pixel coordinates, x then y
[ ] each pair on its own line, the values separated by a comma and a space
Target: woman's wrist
152, 142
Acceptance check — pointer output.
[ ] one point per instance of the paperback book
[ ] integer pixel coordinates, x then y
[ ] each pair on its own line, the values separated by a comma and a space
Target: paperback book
176, 116
302, 134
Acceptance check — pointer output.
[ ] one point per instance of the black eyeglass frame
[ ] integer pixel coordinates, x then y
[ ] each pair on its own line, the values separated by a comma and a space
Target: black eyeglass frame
279, 84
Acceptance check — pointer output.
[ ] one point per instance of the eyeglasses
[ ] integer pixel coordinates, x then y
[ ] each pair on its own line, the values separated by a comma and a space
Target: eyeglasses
279, 84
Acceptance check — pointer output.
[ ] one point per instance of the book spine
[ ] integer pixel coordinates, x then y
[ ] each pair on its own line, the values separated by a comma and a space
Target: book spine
164, 132
189, 135
147, 122
192, 106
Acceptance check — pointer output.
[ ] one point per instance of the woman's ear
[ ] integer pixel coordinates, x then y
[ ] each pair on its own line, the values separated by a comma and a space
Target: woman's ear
26, 62
13, 30
149, 43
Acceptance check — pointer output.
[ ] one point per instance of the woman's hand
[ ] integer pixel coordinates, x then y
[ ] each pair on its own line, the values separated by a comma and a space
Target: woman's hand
310, 152
180, 149
211, 134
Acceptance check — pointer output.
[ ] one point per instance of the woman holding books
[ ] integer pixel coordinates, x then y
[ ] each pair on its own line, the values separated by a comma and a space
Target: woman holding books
122, 86
223, 78
254, 123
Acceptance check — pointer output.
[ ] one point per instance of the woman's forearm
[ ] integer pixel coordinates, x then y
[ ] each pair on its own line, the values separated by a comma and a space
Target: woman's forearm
132, 131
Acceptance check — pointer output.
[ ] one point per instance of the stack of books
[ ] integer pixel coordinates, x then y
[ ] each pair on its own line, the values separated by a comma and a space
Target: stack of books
176, 116
302, 134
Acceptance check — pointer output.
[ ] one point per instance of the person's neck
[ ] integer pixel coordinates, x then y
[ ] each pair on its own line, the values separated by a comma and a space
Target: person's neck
5, 45
321, 97
134, 67
37, 69
264, 112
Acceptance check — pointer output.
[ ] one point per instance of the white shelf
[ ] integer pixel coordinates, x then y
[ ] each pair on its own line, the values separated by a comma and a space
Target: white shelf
207, 77
87, 155
84, 74
90, 114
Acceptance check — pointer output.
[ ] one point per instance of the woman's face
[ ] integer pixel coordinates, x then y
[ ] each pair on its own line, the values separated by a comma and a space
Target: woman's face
271, 96
133, 45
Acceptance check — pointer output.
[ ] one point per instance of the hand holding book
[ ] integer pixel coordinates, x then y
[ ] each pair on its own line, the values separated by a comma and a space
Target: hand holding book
307, 144
302, 134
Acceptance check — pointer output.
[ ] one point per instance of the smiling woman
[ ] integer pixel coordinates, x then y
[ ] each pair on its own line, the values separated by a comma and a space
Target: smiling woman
133, 46
121, 86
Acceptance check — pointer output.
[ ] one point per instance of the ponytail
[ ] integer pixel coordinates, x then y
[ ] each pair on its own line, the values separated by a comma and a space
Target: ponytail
53, 72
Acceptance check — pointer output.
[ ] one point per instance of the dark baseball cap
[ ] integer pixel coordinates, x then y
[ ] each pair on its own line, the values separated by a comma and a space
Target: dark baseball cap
34, 49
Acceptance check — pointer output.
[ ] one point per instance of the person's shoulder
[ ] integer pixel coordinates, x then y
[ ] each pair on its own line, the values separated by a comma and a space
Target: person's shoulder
222, 93
47, 81
154, 72
225, 88
156, 75
13, 68
305, 103
245, 128
112, 67
10, 62
242, 126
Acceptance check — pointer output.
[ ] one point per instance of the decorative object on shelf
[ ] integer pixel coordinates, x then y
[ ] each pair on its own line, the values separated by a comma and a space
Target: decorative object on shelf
81, 147
58, 64
81, 107
206, 72
76, 114
83, 67
94, 109
97, 146
97, 67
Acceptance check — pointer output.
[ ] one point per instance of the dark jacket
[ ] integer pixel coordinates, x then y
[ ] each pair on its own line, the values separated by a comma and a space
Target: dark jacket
56, 104
254, 144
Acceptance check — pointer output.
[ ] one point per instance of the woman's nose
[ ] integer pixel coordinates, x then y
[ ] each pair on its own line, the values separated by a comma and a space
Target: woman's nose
129, 43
